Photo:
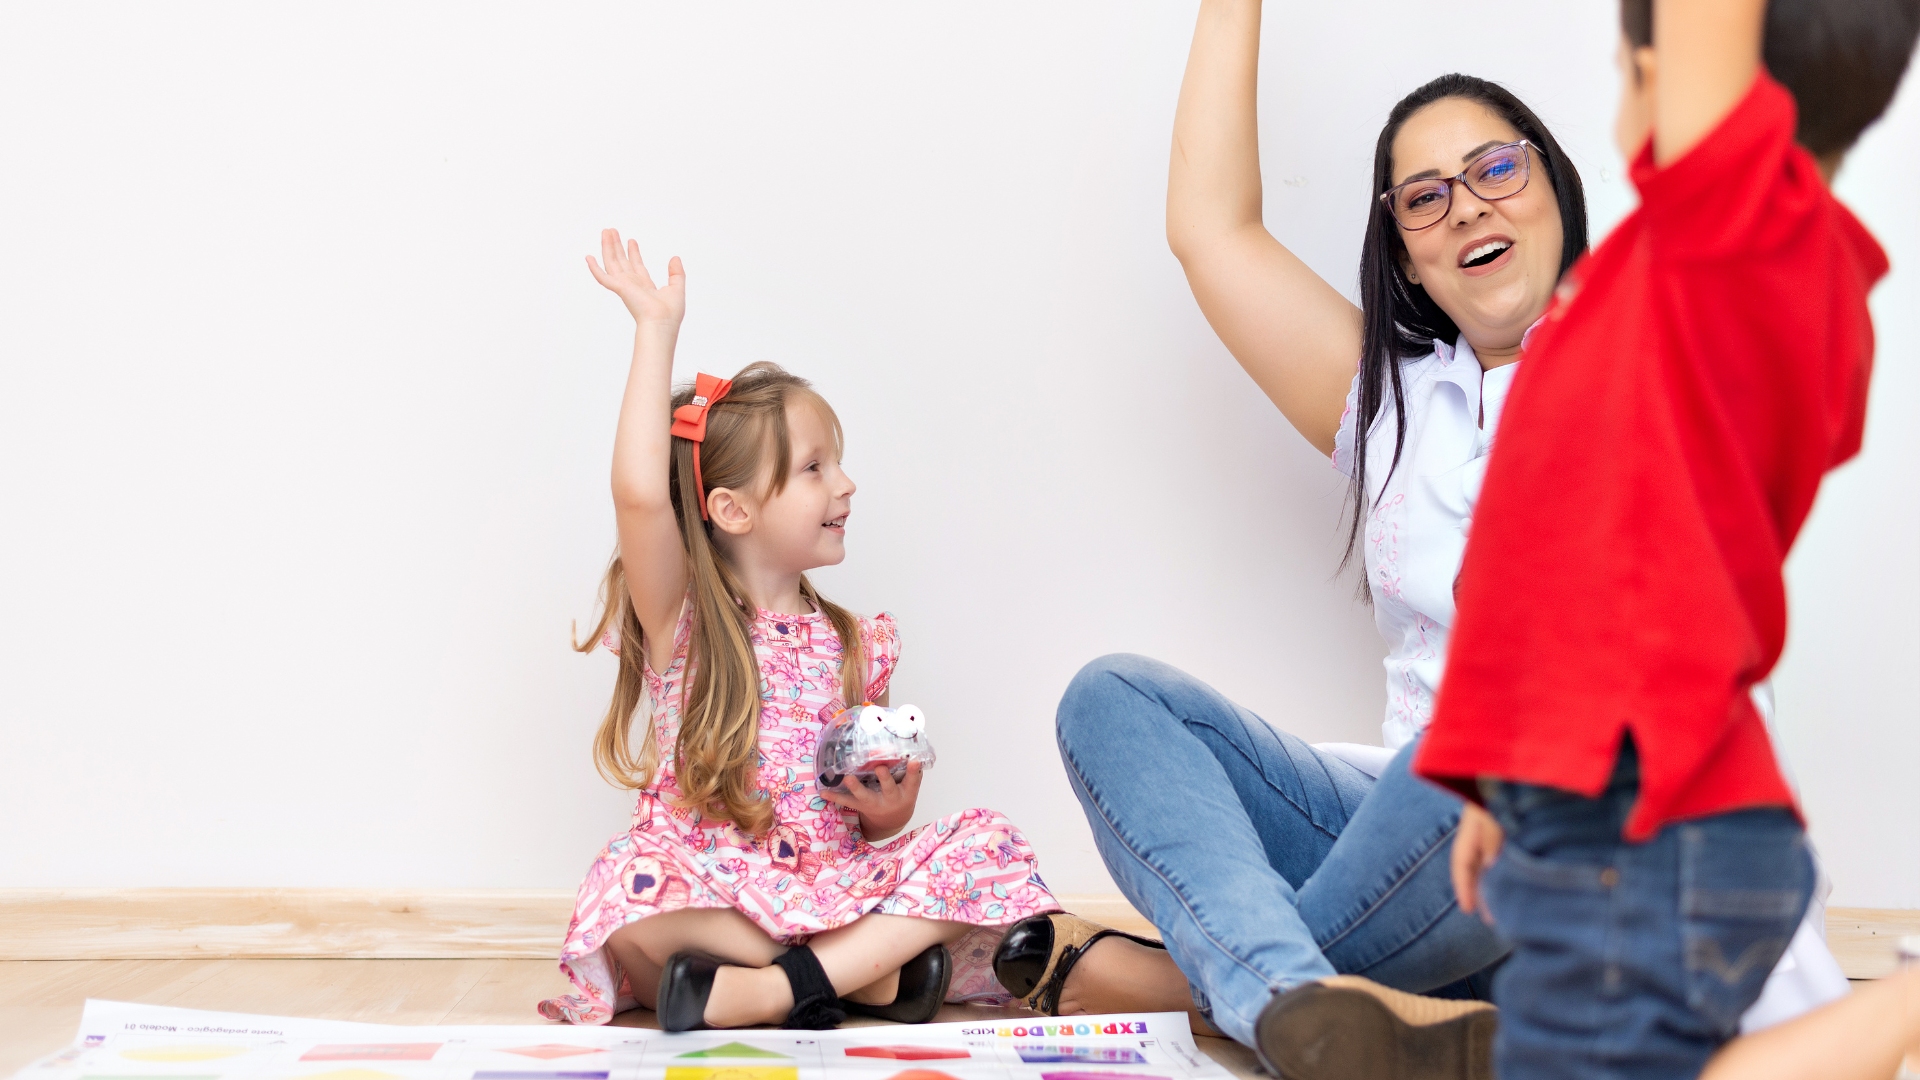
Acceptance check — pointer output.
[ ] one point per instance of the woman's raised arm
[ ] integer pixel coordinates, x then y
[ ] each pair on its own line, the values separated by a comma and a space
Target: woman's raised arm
1294, 333
651, 554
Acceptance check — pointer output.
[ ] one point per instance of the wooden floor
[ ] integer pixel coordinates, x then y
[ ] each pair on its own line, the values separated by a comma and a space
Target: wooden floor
40, 1000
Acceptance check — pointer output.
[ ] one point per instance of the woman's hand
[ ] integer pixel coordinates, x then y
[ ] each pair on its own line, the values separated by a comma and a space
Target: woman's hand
1476, 844
885, 812
651, 305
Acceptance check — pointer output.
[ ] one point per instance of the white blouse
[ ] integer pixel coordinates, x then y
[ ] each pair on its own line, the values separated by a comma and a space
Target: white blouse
1415, 532
1414, 539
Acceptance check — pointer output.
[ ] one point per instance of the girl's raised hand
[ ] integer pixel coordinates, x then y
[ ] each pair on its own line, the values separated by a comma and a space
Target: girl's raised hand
626, 275
884, 812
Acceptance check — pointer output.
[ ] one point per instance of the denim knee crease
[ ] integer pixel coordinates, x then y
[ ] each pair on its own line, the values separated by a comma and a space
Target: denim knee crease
1100, 817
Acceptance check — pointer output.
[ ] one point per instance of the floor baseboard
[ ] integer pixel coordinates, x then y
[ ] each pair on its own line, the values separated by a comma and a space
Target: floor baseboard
167, 924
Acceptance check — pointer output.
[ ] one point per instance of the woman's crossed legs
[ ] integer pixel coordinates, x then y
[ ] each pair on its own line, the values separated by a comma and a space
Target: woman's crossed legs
1264, 863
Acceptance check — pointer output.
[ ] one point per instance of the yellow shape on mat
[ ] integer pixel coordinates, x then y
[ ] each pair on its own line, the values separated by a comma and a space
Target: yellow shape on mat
731, 1072
183, 1053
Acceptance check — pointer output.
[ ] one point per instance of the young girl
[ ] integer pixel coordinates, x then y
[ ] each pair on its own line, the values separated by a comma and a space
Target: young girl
741, 894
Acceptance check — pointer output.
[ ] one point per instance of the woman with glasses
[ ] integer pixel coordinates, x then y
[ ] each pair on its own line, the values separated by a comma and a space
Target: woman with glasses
1304, 900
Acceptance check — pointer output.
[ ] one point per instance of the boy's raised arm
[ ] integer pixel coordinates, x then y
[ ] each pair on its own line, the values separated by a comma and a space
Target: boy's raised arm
1707, 53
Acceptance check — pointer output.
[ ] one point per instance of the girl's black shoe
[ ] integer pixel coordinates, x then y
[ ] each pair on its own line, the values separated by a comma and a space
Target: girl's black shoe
685, 984
923, 986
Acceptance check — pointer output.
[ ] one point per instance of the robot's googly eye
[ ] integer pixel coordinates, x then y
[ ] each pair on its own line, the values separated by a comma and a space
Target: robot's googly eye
905, 722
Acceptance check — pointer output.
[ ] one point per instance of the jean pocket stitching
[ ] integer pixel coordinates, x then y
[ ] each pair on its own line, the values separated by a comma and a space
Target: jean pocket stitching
1705, 956
1746, 904
1534, 870
1732, 933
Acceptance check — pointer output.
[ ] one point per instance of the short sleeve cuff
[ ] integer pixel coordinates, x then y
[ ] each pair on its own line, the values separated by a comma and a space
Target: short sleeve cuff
880, 639
1343, 439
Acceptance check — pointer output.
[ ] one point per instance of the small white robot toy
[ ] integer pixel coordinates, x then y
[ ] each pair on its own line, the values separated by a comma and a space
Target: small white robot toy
859, 742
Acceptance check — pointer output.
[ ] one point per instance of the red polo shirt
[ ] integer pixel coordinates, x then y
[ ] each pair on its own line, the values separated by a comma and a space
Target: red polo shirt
1664, 439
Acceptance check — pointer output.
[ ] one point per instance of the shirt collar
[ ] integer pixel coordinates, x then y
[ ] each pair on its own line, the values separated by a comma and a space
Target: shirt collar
1458, 366
1461, 348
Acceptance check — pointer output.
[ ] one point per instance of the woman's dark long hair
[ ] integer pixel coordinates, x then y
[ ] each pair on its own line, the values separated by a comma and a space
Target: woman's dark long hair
1401, 321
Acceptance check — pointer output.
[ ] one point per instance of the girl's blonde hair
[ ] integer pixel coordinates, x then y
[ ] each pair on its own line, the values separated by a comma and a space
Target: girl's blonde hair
716, 756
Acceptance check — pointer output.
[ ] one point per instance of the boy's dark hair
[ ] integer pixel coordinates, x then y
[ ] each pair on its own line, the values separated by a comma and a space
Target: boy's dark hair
1841, 59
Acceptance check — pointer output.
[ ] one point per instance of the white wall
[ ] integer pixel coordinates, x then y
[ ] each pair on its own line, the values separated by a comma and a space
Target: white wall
308, 400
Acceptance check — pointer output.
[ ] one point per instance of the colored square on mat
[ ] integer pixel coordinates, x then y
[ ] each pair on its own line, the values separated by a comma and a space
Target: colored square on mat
732, 1072
1097, 1076
182, 1053
1092, 1055
549, 1051
372, 1052
537, 1075
733, 1050
906, 1053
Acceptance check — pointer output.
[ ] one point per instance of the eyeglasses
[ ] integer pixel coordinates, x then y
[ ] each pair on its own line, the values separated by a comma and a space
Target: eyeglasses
1499, 173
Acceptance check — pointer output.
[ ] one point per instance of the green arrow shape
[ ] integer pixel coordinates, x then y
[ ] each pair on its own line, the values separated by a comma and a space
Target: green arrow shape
733, 1050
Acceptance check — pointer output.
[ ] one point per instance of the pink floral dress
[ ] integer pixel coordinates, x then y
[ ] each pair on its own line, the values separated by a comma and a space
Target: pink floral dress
812, 871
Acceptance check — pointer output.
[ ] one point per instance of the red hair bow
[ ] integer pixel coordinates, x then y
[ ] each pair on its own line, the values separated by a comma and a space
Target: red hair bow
690, 423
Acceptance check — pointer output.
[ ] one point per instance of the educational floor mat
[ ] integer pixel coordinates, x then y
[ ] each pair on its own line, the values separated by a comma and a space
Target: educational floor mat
907, 1053
549, 1051
120, 1041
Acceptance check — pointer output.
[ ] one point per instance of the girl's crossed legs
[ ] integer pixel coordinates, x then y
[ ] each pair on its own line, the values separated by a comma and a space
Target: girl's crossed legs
1264, 863
861, 959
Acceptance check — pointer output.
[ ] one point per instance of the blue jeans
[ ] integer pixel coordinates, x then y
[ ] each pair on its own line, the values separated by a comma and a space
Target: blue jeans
1263, 862
1634, 960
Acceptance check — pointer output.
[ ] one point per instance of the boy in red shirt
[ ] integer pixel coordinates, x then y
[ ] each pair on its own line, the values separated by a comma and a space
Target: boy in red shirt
1622, 591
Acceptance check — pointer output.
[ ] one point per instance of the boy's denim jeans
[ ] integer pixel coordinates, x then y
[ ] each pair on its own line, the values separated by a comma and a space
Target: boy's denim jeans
1633, 960
1263, 862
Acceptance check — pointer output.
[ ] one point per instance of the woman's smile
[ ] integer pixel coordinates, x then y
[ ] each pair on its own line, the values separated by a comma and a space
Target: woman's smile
1481, 257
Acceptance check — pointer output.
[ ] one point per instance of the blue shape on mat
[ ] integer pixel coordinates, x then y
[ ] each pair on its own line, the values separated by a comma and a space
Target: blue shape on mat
1104, 1055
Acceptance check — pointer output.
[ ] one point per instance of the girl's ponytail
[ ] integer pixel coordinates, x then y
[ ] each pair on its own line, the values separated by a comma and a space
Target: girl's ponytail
716, 753
853, 658
613, 752
718, 750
